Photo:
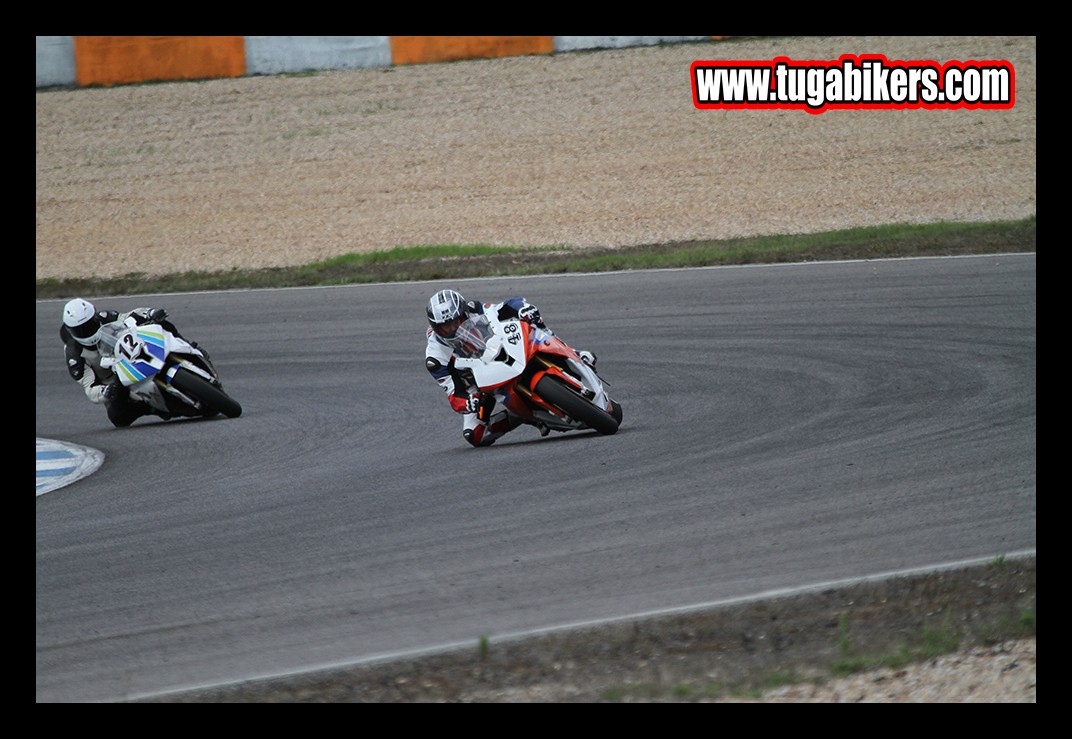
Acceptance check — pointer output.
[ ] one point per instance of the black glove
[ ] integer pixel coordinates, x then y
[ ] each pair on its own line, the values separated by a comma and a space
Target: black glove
158, 315
472, 404
531, 314
110, 391
76, 364
487, 405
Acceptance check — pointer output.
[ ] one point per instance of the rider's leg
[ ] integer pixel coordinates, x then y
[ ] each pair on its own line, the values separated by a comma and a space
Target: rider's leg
122, 411
472, 429
479, 434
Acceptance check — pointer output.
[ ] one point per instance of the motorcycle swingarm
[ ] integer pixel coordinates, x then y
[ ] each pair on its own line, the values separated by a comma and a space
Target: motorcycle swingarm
169, 389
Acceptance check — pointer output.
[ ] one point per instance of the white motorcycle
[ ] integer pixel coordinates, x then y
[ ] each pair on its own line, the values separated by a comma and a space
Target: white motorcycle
164, 370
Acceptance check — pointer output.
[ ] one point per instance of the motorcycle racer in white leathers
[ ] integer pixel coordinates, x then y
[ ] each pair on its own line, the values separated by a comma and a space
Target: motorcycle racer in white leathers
447, 311
80, 333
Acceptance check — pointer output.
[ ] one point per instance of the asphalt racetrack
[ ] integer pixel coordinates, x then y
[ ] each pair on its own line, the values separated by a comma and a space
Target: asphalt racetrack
784, 426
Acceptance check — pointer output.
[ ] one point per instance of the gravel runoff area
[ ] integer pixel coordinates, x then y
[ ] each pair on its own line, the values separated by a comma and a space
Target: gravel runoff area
582, 149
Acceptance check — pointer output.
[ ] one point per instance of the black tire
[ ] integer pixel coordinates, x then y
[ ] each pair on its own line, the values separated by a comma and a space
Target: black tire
555, 392
616, 411
211, 397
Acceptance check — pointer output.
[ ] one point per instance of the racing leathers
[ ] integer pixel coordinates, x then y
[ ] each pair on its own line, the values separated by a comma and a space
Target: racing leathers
482, 424
99, 383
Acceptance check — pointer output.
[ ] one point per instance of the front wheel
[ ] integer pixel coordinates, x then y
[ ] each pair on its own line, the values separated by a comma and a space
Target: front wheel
210, 396
555, 392
616, 410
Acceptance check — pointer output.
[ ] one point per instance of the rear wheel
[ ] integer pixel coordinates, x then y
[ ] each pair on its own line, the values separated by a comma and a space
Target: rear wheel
210, 396
555, 392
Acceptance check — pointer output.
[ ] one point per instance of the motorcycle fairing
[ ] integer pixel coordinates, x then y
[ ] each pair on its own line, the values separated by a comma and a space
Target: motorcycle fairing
140, 353
500, 354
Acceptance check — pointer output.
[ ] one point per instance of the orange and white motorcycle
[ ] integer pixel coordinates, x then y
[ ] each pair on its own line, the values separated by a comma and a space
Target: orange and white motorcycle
535, 375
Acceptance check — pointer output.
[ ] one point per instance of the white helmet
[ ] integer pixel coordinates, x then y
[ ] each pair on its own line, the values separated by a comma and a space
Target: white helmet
82, 321
446, 313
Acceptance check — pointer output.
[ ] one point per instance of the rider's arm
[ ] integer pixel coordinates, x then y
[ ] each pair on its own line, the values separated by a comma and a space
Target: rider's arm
439, 361
146, 315
84, 372
520, 308
155, 315
94, 389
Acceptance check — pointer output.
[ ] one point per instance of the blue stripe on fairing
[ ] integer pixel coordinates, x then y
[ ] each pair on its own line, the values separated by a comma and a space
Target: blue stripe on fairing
154, 343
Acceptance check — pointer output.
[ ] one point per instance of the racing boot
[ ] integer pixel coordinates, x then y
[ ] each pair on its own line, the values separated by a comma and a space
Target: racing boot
501, 424
588, 358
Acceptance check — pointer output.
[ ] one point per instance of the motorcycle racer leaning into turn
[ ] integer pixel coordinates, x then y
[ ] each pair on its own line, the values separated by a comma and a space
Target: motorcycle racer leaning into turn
447, 311
80, 333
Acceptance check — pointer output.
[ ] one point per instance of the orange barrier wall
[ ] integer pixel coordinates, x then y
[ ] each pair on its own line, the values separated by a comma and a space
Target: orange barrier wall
428, 49
112, 60
116, 60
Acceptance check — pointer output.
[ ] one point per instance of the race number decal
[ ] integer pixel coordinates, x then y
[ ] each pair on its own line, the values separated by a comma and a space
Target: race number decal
512, 335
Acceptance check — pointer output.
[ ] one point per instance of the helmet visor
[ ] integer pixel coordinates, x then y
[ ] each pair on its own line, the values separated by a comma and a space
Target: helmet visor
448, 329
87, 330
